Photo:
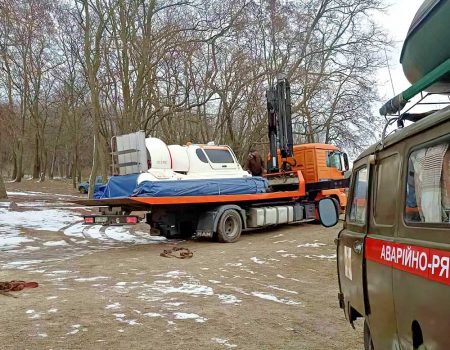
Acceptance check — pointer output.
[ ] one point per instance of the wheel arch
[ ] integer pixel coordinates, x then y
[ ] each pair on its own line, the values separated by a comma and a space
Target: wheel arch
221, 209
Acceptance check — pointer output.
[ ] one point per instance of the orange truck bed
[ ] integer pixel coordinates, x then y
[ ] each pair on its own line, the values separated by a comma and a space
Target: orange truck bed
176, 200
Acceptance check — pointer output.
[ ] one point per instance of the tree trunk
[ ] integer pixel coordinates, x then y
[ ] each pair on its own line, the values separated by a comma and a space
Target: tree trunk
19, 173
3, 194
14, 173
94, 170
75, 169
37, 160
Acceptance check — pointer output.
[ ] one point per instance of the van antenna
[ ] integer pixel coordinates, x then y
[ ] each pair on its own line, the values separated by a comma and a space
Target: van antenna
389, 70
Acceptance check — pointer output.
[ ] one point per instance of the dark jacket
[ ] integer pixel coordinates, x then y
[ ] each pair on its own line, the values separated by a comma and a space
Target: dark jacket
255, 165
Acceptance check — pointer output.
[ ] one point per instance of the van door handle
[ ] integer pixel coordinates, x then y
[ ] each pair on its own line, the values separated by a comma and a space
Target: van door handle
357, 247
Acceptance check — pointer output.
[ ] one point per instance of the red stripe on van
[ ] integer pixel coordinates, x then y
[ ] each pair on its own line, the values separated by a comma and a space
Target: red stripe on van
432, 264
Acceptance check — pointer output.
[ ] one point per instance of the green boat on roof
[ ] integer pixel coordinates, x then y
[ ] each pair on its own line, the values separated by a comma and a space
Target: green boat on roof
427, 44
425, 55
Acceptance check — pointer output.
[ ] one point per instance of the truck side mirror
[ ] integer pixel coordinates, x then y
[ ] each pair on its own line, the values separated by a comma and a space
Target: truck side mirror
346, 163
328, 212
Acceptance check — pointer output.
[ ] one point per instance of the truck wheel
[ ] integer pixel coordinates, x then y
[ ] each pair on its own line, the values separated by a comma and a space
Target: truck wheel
229, 227
83, 190
368, 344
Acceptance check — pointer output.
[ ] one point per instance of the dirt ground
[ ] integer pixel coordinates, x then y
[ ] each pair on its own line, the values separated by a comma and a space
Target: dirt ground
109, 288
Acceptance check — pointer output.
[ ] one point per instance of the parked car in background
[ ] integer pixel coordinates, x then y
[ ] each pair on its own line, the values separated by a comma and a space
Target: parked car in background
83, 187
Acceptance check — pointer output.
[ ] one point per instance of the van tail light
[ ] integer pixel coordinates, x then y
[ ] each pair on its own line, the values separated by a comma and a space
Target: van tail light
88, 220
132, 220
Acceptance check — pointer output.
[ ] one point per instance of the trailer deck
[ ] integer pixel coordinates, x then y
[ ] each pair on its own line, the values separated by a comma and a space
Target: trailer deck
144, 202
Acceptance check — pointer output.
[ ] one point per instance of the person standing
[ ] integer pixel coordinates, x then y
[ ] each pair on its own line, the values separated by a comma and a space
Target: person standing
255, 164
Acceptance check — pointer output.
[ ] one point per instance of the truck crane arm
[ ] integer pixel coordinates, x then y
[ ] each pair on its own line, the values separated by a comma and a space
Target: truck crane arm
279, 122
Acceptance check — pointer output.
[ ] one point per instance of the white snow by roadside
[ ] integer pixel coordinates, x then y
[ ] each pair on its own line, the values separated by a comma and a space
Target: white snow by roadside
270, 297
41, 220
189, 316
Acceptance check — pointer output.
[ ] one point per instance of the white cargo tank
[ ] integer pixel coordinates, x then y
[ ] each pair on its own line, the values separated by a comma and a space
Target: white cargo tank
259, 217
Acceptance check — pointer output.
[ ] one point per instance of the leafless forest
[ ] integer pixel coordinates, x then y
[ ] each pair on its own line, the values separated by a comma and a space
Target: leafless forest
73, 73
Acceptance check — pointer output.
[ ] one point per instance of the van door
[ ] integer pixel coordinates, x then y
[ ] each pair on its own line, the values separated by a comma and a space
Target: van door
378, 249
421, 270
350, 246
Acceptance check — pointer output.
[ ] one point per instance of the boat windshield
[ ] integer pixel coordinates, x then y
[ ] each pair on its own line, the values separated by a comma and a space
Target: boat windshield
217, 155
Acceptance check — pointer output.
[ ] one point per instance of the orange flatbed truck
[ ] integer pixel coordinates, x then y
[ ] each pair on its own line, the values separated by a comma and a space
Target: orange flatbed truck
290, 198
222, 217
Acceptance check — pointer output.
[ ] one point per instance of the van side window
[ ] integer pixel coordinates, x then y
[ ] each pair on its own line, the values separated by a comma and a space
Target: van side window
385, 208
428, 185
359, 201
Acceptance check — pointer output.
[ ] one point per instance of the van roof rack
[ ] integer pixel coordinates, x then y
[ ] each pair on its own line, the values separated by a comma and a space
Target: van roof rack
397, 103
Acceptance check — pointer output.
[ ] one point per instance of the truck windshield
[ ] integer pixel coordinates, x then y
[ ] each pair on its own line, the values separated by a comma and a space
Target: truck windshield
334, 160
219, 155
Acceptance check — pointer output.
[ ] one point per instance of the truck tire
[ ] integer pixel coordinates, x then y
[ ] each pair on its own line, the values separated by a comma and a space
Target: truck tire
229, 227
368, 344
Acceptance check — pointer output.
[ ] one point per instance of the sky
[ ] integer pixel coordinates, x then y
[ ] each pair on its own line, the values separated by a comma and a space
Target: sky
396, 20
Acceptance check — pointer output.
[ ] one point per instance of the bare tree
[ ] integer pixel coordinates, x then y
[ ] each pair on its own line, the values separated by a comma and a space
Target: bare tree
82, 70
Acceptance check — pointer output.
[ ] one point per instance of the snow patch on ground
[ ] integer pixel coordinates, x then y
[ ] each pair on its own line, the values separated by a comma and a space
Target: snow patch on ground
228, 299
121, 234
270, 297
283, 241
55, 243
172, 303
75, 329
189, 316
224, 342
257, 261
40, 220
185, 288
12, 241
322, 257
283, 290
153, 314
23, 263
233, 264
172, 274
91, 279
311, 245
114, 306
121, 318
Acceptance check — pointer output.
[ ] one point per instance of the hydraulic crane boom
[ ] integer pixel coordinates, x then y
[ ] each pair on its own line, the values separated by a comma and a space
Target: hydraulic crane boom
280, 122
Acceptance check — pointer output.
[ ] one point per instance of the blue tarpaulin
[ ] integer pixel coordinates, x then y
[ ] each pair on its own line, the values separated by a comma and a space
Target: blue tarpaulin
126, 186
201, 187
118, 187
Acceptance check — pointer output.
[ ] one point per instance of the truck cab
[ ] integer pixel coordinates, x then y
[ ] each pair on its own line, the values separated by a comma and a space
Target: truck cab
393, 253
319, 162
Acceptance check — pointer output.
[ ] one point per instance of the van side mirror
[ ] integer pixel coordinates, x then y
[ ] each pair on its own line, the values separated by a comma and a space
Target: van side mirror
346, 163
328, 212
